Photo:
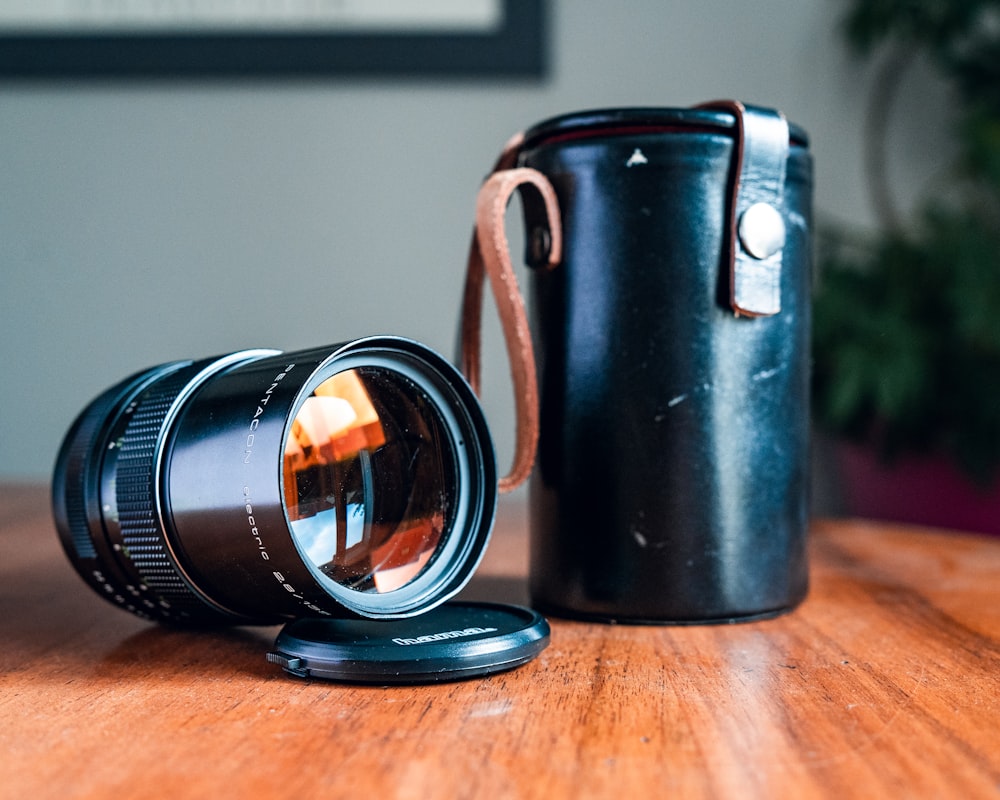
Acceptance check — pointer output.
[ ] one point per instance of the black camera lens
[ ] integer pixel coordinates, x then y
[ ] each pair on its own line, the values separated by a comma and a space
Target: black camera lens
356, 480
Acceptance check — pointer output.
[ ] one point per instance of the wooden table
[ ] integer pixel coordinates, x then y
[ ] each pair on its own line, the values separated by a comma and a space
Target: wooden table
884, 683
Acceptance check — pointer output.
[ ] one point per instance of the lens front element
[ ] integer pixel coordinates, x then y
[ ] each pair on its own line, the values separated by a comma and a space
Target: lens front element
369, 478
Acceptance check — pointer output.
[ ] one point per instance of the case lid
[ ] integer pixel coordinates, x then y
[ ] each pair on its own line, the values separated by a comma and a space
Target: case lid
457, 640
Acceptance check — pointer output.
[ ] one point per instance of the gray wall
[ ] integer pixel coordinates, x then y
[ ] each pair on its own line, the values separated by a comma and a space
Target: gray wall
144, 222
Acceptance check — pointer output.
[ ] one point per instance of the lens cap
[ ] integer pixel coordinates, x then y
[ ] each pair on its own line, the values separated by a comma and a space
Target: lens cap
455, 641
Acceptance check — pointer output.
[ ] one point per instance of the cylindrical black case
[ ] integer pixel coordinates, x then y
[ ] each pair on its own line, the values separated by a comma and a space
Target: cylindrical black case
671, 483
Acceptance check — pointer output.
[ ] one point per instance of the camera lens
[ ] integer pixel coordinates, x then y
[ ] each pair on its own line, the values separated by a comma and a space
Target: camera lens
356, 480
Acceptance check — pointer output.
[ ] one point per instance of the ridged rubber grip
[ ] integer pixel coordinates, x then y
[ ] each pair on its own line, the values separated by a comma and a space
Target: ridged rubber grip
142, 534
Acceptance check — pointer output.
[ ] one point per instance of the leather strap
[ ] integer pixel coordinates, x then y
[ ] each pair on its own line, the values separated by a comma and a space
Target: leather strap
489, 255
756, 225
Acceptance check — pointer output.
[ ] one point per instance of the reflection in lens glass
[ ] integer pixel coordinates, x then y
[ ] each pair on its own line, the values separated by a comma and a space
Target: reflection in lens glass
368, 473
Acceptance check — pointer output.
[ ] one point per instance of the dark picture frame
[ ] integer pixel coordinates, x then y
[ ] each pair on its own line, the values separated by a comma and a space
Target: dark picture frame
517, 48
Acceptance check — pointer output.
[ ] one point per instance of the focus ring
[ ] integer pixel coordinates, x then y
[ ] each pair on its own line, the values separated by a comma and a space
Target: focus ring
143, 538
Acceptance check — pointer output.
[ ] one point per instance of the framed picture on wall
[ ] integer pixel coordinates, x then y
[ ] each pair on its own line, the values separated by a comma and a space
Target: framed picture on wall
258, 38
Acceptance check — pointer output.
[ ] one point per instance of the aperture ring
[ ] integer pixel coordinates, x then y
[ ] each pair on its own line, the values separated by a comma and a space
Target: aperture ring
73, 497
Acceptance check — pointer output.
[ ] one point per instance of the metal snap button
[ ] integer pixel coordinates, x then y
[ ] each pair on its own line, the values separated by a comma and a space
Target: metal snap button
762, 230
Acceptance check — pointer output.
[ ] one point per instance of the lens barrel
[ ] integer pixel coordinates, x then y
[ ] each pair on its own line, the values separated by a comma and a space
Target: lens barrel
355, 480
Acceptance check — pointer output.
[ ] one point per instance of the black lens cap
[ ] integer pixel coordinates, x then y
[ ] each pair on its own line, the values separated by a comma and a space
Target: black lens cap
454, 641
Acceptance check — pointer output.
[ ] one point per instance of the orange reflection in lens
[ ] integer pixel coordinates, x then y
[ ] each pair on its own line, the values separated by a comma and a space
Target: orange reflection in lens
403, 557
336, 423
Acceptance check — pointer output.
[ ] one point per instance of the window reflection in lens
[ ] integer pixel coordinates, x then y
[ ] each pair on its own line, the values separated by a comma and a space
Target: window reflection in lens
368, 473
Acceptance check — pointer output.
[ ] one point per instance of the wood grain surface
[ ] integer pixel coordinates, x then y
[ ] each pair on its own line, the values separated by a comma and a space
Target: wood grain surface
884, 683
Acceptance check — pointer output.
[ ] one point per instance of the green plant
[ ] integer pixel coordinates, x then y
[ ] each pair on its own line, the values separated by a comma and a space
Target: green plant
907, 321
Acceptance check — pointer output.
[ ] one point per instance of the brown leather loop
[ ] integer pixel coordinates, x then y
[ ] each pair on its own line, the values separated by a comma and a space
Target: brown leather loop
489, 256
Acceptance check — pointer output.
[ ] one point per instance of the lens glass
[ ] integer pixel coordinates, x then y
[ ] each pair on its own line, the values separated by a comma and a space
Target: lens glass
369, 477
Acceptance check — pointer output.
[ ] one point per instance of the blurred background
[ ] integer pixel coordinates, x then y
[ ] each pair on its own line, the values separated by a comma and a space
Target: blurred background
146, 220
